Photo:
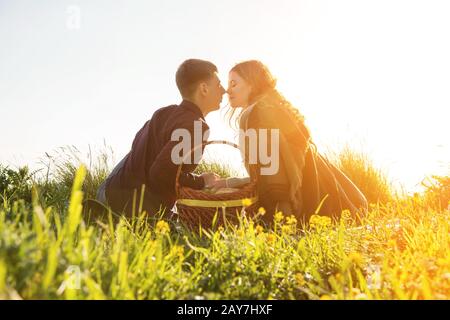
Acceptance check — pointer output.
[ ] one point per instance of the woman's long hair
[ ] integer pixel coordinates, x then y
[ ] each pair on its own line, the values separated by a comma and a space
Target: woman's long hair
263, 88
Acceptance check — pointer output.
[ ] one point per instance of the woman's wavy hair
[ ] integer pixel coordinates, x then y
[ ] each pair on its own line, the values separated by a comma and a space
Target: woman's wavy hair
263, 89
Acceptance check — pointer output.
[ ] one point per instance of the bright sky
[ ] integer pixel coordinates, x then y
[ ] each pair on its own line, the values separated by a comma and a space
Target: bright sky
374, 74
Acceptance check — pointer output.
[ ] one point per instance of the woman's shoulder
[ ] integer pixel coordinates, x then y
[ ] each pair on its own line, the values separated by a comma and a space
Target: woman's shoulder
278, 117
269, 115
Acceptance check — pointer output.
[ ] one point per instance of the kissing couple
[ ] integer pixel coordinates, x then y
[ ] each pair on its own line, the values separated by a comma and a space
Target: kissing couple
303, 183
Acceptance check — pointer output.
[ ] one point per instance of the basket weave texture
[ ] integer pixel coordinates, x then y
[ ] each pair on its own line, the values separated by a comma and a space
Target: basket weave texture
198, 207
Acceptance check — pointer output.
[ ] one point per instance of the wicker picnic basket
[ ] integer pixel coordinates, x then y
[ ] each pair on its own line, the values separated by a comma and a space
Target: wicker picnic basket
198, 207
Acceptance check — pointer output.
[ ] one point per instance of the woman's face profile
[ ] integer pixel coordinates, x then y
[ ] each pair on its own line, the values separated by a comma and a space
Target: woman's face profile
238, 90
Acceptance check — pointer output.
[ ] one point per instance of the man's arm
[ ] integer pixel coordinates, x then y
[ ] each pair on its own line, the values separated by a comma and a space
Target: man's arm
163, 171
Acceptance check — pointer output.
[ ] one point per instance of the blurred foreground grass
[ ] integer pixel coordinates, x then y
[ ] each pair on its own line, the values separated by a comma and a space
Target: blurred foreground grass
49, 251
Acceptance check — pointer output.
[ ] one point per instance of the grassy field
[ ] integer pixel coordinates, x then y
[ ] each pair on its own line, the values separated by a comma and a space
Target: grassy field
48, 250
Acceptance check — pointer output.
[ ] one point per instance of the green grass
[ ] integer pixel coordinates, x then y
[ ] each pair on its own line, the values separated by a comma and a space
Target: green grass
49, 251
372, 181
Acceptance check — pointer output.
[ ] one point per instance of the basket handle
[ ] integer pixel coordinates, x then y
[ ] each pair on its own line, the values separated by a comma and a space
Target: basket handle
177, 178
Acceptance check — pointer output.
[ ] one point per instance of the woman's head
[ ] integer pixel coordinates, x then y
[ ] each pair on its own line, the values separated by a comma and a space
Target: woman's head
248, 81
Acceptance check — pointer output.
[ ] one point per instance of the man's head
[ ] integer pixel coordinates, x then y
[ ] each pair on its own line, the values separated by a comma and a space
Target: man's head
198, 82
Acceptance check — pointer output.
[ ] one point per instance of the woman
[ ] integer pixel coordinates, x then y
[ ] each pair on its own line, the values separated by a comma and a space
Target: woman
305, 182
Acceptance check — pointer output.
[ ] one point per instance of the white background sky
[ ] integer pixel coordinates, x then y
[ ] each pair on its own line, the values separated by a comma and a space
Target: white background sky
374, 74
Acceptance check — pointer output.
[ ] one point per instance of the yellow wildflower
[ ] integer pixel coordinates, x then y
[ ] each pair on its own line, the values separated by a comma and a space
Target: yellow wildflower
326, 221
177, 251
271, 238
278, 217
319, 221
346, 214
162, 227
314, 219
286, 229
246, 202
291, 220
261, 211
259, 229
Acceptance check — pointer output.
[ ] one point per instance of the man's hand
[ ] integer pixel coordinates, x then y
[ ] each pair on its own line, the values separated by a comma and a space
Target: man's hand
209, 178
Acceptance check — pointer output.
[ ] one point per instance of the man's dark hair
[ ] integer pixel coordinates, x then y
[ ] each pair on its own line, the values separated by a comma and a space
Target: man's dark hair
190, 73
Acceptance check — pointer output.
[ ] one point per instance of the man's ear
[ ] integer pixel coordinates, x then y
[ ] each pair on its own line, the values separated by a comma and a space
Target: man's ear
204, 88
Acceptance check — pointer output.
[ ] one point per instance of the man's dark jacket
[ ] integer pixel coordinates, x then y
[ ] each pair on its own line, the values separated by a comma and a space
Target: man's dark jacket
149, 162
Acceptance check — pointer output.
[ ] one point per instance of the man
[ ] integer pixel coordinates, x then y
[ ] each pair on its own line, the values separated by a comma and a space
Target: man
149, 166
